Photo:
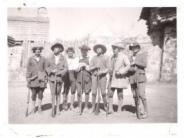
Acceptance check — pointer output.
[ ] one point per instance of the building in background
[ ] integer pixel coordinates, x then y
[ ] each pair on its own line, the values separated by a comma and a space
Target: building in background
27, 27
161, 22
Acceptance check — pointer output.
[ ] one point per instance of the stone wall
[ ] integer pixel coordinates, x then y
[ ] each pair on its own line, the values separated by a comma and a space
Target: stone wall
168, 70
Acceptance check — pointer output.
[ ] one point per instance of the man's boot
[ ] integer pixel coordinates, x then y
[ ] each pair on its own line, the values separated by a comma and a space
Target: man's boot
137, 107
120, 103
104, 101
65, 105
53, 106
145, 115
58, 97
93, 103
86, 108
72, 102
33, 107
110, 106
39, 106
79, 99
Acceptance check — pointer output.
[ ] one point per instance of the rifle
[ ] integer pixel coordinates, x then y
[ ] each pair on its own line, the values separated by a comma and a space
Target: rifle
28, 100
109, 89
82, 85
28, 95
54, 96
97, 111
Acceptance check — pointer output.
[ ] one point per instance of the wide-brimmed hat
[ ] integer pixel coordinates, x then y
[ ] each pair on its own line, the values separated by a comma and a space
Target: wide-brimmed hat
59, 45
85, 47
70, 49
119, 45
37, 47
134, 45
100, 46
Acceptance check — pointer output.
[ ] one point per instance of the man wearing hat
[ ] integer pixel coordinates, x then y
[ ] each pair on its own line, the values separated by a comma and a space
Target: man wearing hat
36, 76
138, 78
56, 68
83, 78
99, 66
118, 81
70, 78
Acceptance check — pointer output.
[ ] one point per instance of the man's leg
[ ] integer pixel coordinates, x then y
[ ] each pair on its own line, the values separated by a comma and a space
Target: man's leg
40, 97
53, 97
110, 96
58, 97
102, 83
33, 97
66, 91
79, 97
73, 90
120, 99
94, 92
141, 89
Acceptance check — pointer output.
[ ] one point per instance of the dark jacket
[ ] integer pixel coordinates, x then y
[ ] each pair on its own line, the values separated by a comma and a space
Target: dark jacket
137, 72
36, 72
86, 74
61, 68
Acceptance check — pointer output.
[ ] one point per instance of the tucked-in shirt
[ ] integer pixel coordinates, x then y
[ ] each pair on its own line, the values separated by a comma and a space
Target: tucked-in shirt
73, 63
101, 61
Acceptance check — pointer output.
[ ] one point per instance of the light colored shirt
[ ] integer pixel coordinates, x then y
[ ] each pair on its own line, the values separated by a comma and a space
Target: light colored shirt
37, 58
56, 59
73, 63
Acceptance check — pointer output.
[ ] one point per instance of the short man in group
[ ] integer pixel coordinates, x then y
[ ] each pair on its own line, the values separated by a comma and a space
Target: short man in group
83, 78
138, 78
119, 67
70, 78
99, 66
36, 76
56, 68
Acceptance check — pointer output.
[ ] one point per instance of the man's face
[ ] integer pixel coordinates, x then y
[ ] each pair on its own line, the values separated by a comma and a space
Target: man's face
70, 54
135, 50
84, 53
99, 50
115, 50
57, 50
37, 52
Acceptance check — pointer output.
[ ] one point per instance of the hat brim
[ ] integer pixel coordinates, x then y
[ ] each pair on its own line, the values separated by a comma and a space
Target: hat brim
100, 46
57, 45
34, 48
135, 46
85, 48
121, 47
70, 50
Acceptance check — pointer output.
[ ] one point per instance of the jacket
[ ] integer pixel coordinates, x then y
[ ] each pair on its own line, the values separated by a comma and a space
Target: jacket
61, 69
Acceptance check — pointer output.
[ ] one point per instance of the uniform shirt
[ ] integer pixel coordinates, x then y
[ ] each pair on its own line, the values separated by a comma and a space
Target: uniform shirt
73, 63
101, 62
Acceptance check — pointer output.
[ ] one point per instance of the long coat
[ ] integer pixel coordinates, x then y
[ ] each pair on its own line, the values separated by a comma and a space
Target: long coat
36, 72
137, 72
61, 68
119, 64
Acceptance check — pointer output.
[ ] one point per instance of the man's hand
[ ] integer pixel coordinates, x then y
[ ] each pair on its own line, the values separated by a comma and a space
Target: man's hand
53, 71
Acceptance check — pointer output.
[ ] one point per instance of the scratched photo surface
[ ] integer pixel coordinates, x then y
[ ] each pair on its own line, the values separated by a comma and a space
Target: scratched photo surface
76, 85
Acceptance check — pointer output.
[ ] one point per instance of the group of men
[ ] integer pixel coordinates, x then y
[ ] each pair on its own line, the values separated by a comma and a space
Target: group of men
102, 75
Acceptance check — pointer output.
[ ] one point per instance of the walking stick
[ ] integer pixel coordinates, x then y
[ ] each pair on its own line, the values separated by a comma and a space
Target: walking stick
28, 101
97, 111
82, 90
54, 96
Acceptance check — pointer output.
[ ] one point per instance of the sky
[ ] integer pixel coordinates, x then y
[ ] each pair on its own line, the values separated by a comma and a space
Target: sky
76, 23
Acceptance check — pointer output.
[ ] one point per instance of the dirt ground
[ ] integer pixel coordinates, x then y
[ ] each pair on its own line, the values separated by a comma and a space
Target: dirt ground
162, 102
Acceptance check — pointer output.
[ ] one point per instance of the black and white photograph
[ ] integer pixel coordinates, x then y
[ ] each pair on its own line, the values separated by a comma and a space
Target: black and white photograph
91, 69
92, 65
